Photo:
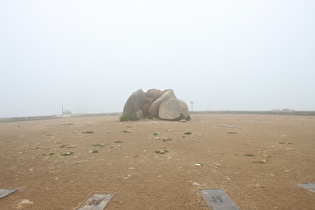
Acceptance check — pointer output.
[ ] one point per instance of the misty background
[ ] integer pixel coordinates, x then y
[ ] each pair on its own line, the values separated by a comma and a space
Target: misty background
91, 55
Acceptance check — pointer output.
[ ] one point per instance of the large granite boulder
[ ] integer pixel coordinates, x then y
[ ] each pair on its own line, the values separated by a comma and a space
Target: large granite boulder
154, 103
133, 106
173, 109
154, 108
149, 97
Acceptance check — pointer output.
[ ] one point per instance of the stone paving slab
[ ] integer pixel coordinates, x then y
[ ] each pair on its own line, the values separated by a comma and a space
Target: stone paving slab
5, 192
217, 199
310, 186
96, 202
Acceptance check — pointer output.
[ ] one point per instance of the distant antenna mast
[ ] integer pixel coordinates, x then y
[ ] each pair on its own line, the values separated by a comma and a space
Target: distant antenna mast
192, 106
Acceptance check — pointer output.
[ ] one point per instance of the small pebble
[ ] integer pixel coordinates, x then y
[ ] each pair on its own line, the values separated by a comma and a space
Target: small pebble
217, 164
256, 186
264, 161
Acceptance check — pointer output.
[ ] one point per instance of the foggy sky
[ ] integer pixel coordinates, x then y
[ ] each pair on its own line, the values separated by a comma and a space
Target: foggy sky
91, 55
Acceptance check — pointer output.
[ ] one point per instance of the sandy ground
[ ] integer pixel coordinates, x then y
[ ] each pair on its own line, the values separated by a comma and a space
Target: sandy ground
258, 164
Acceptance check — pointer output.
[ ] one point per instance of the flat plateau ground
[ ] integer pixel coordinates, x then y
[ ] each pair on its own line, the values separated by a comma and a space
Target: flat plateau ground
258, 164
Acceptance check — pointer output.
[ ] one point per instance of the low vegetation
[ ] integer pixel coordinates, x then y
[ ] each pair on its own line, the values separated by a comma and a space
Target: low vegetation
232, 132
127, 117
182, 117
88, 132
249, 155
162, 151
118, 142
167, 139
98, 145
63, 146
67, 154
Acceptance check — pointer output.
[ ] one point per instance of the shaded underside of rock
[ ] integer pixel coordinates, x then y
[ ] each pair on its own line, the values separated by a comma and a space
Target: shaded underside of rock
173, 109
154, 108
134, 104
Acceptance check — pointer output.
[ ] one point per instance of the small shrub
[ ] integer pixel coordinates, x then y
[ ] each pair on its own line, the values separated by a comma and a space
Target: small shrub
118, 142
162, 151
88, 132
188, 133
67, 154
232, 132
127, 117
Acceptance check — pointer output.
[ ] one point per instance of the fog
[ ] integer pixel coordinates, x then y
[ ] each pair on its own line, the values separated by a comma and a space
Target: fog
91, 55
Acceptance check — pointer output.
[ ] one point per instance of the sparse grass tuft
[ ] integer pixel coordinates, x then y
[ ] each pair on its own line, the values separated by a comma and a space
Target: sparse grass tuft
162, 151
258, 161
127, 117
98, 145
249, 155
63, 146
47, 154
232, 132
188, 133
67, 154
88, 132
118, 142
167, 139
181, 117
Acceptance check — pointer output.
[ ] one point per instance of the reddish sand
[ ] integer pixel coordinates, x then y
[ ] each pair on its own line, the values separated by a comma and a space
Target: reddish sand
258, 164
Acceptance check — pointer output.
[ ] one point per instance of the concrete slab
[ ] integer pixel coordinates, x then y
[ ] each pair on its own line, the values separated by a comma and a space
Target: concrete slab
310, 186
5, 192
97, 202
217, 199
